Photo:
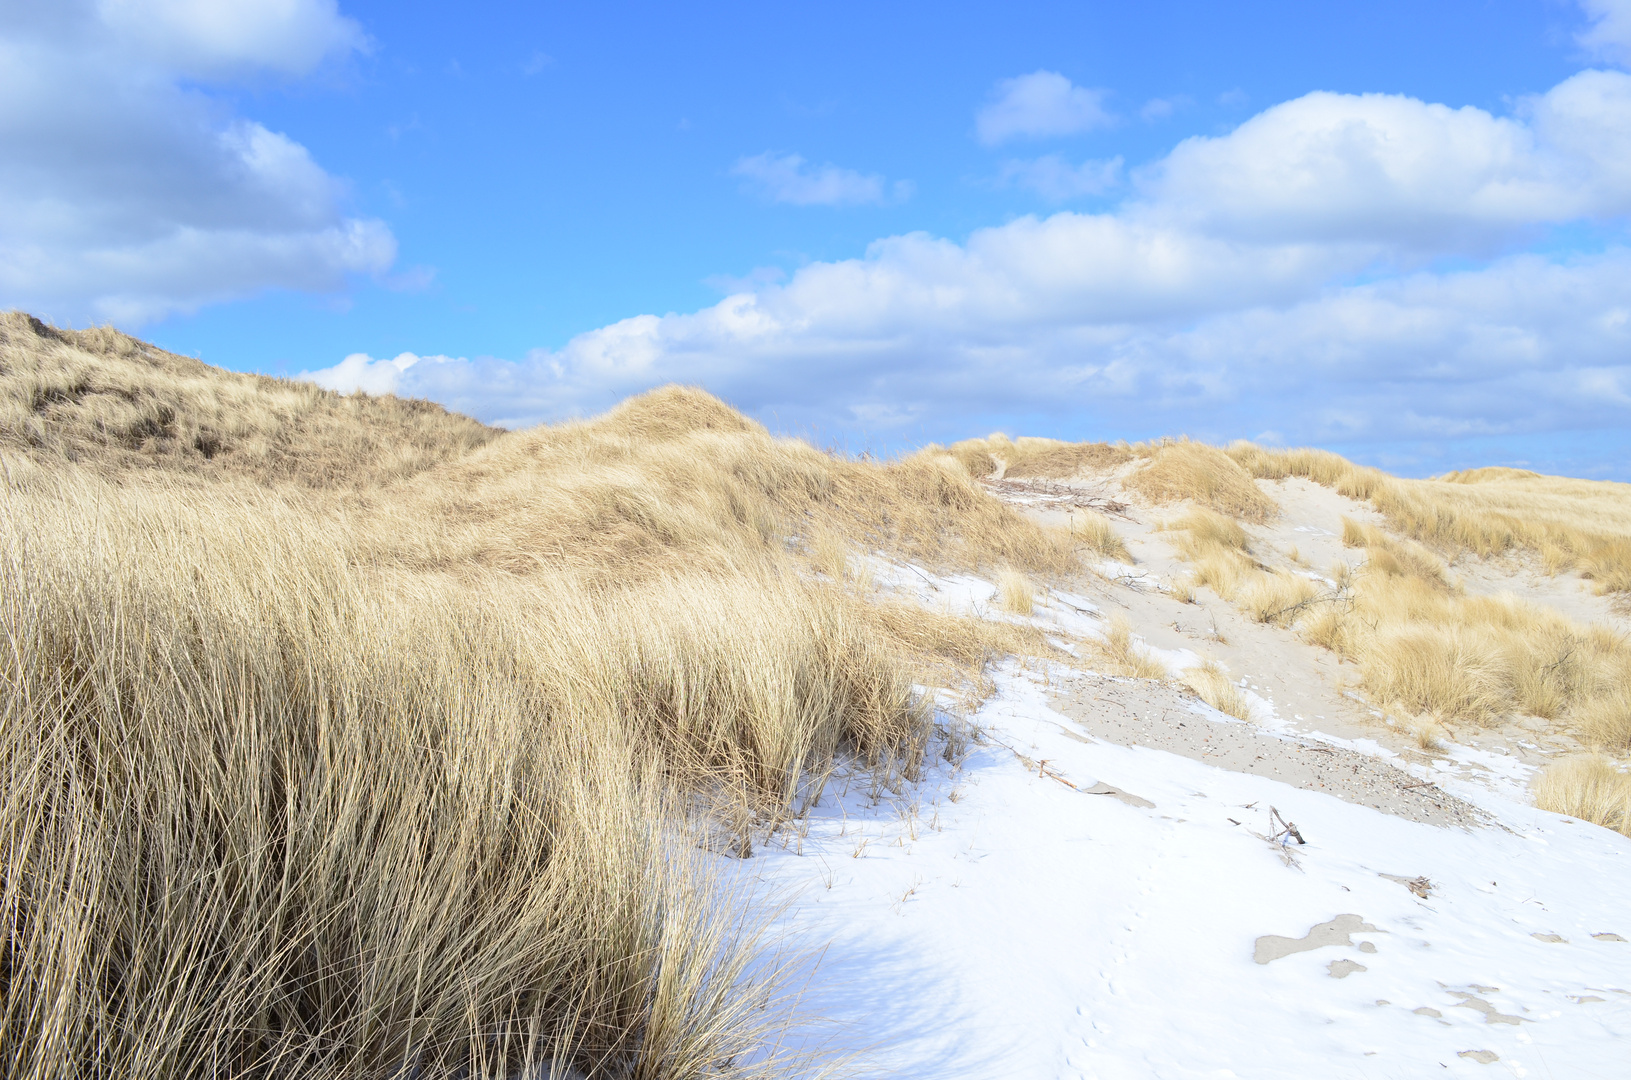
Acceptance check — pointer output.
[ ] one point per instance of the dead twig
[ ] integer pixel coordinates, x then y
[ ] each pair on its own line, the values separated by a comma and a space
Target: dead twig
1042, 770
1288, 829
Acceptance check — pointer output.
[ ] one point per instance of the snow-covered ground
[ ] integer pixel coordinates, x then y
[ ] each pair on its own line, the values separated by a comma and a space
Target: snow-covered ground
1000, 919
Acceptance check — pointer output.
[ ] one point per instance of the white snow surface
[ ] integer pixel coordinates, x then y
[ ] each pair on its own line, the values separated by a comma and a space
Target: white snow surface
993, 922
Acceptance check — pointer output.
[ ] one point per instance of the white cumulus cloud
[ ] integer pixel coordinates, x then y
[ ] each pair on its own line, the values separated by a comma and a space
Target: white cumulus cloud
788, 178
1609, 35
1039, 105
1288, 276
128, 193
211, 38
359, 371
1391, 169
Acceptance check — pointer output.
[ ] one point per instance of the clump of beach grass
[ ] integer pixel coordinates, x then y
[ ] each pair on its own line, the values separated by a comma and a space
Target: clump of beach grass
1097, 535
1177, 470
1124, 656
1591, 788
1015, 593
1214, 687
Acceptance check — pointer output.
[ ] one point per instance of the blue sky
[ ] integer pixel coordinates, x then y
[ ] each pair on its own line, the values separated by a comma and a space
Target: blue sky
1398, 230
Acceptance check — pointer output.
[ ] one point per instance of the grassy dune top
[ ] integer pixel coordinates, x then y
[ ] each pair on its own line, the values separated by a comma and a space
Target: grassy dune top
103, 399
1569, 523
676, 480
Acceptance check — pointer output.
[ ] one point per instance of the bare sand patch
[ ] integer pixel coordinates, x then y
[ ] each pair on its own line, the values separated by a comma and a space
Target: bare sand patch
1145, 713
1337, 931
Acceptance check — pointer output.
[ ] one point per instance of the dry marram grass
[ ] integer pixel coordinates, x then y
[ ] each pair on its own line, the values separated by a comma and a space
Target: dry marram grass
1124, 656
268, 813
1179, 470
1569, 523
1097, 535
676, 481
1421, 642
1212, 686
1590, 788
1015, 593
104, 399
1030, 457
329, 775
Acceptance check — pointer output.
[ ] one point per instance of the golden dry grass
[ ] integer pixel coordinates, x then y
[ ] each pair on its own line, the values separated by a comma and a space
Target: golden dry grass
1015, 593
1097, 535
1279, 597
1178, 470
1217, 550
1420, 642
103, 399
1121, 655
1168, 471
1583, 525
1427, 733
1024, 457
1321, 466
951, 650
1212, 686
381, 778
676, 481
1570, 524
272, 811
1593, 789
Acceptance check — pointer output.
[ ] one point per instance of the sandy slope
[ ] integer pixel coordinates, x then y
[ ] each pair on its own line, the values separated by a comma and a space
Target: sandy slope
1307, 686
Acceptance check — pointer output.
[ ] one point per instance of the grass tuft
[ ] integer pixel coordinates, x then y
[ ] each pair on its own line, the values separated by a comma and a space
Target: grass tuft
269, 806
1179, 470
312, 772
110, 402
1015, 593
1124, 656
1212, 686
1098, 536
1041, 458
1590, 788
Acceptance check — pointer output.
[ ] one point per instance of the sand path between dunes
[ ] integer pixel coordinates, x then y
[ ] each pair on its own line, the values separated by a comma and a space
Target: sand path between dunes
1140, 712
1312, 694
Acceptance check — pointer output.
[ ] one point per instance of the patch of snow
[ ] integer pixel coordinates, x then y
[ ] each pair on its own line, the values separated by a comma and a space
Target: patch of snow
998, 920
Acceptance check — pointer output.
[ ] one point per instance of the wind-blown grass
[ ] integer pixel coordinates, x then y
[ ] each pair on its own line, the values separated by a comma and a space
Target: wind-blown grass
314, 772
1032, 457
1212, 686
1179, 469
1124, 656
1568, 523
676, 481
102, 399
1589, 788
1015, 593
1423, 647
269, 812
1098, 536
